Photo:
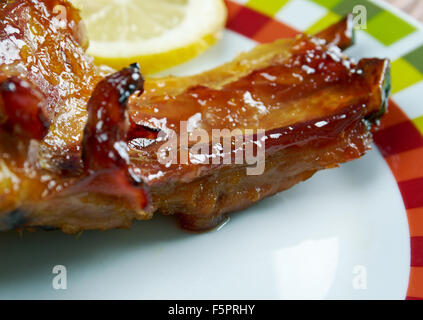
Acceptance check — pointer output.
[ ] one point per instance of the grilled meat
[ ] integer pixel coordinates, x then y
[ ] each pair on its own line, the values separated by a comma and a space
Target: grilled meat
83, 147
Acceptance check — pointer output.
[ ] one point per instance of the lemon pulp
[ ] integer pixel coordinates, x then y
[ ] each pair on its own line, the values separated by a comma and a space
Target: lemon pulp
156, 33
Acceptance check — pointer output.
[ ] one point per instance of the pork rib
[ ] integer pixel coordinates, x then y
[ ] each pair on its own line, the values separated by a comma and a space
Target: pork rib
98, 166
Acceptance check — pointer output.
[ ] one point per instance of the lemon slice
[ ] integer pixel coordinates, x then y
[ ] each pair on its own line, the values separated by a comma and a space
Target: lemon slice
156, 33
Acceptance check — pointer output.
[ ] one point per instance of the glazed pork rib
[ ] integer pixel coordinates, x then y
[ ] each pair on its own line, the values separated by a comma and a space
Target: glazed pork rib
83, 147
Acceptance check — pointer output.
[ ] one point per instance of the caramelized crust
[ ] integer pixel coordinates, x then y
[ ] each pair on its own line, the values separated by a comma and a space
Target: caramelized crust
104, 150
22, 108
97, 165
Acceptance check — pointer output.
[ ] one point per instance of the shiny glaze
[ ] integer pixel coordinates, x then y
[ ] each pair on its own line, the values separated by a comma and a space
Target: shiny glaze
43, 42
22, 109
309, 97
104, 150
311, 100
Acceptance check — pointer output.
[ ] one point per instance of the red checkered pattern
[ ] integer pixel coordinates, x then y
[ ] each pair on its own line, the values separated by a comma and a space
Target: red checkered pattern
398, 139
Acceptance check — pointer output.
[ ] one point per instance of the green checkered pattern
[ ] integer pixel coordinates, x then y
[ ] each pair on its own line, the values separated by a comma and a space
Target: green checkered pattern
268, 7
382, 25
406, 72
378, 19
418, 122
407, 80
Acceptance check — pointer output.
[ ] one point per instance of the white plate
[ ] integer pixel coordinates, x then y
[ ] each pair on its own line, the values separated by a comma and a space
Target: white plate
341, 235
303, 243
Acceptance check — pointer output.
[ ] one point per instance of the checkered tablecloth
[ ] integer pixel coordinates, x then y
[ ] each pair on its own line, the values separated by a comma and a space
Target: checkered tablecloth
400, 136
412, 7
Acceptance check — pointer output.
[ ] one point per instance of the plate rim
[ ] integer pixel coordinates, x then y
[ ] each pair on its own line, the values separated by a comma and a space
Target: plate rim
396, 123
